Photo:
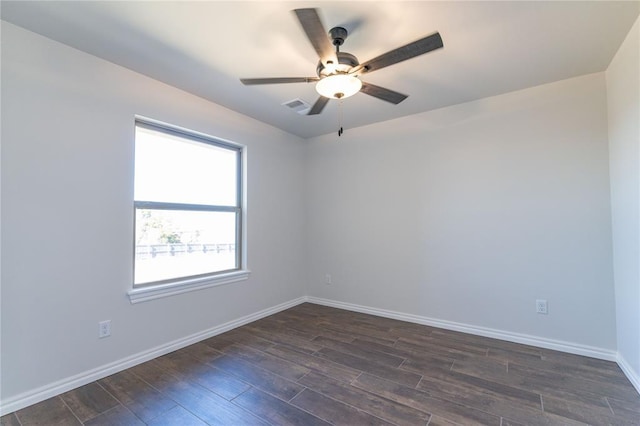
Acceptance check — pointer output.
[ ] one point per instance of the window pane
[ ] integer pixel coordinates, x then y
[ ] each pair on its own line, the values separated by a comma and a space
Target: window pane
178, 170
175, 243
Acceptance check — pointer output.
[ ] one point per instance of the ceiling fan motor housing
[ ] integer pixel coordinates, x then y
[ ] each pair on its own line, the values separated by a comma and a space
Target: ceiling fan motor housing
346, 61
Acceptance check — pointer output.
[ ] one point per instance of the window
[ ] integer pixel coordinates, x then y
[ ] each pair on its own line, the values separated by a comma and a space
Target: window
188, 196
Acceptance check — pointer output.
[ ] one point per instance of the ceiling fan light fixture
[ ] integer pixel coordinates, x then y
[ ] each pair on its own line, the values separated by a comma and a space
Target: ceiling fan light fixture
339, 86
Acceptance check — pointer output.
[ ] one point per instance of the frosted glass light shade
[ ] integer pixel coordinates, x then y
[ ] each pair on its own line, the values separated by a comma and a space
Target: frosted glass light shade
338, 86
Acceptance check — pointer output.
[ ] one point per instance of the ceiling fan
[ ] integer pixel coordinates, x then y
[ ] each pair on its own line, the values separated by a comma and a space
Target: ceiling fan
338, 73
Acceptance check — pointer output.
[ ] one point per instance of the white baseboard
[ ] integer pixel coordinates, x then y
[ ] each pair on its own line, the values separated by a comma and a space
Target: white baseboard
558, 345
40, 394
632, 375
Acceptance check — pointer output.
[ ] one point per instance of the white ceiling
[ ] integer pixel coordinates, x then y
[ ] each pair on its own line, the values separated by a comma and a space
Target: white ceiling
204, 47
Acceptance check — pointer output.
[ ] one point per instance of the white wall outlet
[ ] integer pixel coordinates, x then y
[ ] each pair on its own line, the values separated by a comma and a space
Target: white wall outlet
104, 329
327, 279
542, 307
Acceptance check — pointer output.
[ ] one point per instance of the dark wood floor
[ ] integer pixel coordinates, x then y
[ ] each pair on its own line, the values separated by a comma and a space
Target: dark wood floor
314, 365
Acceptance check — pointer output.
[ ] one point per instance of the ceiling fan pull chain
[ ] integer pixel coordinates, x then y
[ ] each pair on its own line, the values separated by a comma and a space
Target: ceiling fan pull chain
340, 130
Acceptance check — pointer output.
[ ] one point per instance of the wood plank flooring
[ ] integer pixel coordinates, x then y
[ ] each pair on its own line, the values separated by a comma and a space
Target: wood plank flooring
315, 365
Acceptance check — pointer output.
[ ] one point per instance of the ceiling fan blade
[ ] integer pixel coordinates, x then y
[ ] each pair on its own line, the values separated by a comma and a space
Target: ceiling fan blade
317, 35
382, 93
318, 106
278, 80
408, 51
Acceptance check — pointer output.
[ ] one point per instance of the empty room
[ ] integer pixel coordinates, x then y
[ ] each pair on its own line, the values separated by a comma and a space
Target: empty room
300, 213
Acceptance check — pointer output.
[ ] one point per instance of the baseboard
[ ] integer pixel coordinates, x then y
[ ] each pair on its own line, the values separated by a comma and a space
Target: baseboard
40, 394
632, 375
558, 345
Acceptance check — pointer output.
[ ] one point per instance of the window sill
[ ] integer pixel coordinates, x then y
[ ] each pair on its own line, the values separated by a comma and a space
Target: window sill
144, 294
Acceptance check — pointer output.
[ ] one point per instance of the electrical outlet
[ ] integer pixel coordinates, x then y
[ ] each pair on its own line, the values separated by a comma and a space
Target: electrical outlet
327, 279
542, 307
104, 329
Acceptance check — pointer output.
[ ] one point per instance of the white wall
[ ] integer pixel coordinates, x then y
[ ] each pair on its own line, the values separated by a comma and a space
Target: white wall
470, 213
623, 95
67, 214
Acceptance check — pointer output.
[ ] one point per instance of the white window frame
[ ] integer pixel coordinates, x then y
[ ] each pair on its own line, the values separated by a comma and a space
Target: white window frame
150, 291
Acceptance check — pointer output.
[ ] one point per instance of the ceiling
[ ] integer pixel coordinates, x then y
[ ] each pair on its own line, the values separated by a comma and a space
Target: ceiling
204, 47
